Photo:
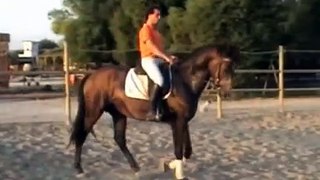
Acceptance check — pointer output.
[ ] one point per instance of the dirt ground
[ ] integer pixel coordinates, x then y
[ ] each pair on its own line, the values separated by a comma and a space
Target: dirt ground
252, 141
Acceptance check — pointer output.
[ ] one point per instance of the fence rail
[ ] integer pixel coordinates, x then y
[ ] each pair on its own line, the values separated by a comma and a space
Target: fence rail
242, 71
279, 73
24, 73
302, 70
238, 71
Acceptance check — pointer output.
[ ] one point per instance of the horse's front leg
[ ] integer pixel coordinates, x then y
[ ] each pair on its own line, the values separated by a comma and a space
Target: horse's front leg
178, 130
187, 143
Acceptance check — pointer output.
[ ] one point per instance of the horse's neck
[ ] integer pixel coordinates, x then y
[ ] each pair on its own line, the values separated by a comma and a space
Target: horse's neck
196, 80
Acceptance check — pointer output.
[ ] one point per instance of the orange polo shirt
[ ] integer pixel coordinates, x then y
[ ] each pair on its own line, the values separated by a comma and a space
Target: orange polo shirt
149, 33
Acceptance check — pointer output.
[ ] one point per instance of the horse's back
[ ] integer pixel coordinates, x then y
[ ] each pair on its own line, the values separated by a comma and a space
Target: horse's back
105, 80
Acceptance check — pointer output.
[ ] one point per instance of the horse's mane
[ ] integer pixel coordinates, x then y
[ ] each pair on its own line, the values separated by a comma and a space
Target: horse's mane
223, 49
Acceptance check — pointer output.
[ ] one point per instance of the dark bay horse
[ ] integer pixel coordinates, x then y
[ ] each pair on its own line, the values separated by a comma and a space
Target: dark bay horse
103, 91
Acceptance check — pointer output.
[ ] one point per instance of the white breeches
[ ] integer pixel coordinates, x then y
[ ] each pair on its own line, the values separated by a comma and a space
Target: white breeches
151, 66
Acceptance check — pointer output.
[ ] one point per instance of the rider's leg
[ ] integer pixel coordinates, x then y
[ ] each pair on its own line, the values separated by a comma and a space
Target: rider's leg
151, 67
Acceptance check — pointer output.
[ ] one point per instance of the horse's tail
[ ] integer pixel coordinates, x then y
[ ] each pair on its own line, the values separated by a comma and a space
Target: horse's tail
78, 129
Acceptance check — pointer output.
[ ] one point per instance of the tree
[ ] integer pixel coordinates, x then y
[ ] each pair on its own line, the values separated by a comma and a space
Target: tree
103, 25
97, 25
47, 44
303, 24
85, 26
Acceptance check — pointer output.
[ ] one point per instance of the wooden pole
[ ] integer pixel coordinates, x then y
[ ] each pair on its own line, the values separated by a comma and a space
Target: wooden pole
67, 84
281, 78
219, 105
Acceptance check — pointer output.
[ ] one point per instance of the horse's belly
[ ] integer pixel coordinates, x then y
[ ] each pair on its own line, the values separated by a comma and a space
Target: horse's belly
133, 108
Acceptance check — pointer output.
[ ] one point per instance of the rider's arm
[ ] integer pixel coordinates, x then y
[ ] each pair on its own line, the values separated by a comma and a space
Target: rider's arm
146, 38
156, 50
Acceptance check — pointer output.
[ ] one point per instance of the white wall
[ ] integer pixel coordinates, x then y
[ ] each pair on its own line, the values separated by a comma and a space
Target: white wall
30, 49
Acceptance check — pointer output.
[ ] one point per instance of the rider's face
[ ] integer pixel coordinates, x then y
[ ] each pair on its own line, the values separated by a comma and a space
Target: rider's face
155, 16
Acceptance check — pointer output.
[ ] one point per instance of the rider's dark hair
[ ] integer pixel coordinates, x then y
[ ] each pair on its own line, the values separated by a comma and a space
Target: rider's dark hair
150, 10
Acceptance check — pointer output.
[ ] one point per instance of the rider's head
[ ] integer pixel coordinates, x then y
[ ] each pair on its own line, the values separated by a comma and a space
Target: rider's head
152, 15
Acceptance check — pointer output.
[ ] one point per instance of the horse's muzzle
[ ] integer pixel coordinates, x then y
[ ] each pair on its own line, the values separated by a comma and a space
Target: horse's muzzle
224, 86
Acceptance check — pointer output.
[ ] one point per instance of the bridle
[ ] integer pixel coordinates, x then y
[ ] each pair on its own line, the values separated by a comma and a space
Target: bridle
217, 78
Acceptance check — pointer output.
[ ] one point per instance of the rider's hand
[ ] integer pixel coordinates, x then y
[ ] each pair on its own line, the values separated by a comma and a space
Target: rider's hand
169, 60
174, 59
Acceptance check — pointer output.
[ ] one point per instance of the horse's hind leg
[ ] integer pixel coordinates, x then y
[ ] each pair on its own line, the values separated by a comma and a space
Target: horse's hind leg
120, 125
90, 119
187, 143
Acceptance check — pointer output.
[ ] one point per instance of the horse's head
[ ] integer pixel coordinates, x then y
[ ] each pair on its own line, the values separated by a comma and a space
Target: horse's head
222, 61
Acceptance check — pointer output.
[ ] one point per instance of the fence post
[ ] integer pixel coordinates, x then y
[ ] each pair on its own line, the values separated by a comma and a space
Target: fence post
281, 80
219, 105
67, 84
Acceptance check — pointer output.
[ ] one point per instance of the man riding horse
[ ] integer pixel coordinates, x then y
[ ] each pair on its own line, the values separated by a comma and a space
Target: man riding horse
104, 91
151, 47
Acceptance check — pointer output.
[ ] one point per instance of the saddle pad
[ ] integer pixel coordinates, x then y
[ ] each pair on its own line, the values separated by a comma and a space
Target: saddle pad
136, 86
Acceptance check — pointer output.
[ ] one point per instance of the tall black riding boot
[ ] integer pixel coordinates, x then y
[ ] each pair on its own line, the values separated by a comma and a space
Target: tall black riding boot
155, 97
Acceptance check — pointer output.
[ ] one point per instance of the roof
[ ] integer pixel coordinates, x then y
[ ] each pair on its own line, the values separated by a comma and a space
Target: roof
52, 52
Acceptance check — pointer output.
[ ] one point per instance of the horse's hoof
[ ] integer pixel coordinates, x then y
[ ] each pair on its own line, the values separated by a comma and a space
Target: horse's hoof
137, 175
164, 165
173, 174
135, 169
79, 169
80, 175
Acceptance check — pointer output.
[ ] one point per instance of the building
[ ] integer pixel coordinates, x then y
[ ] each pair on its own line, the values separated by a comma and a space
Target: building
51, 59
30, 52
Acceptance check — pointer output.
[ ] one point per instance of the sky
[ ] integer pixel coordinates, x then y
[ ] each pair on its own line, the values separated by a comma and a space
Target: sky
27, 20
